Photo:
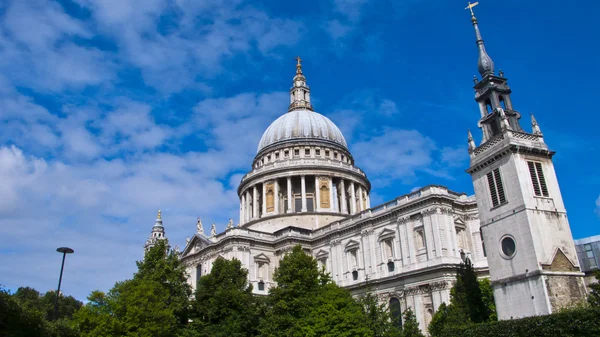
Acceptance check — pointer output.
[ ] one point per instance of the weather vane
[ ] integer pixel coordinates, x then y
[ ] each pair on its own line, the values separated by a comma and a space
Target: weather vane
470, 7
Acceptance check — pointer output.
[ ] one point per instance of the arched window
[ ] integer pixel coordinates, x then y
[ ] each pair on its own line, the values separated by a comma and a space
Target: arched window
396, 312
502, 103
355, 275
488, 106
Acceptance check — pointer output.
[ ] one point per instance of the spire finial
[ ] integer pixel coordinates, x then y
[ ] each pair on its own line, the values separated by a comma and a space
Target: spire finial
485, 65
470, 8
298, 65
159, 216
534, 126
471, 142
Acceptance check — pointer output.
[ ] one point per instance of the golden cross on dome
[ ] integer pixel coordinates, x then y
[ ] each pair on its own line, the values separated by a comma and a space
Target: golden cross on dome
159, 215
299, 60
470, 7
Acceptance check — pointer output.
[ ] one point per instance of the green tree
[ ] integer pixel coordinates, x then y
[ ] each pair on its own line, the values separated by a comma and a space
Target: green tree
378, 317
224, 304
16, 321
306, 303
466, 294
410, 328
594, 297
446, 316
154, 303
487, 294
31, 299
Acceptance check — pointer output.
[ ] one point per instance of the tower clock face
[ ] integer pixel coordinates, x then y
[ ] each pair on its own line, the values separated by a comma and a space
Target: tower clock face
508, 246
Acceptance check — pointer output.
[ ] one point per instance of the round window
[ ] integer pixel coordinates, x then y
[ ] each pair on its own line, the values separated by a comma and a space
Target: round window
508, 246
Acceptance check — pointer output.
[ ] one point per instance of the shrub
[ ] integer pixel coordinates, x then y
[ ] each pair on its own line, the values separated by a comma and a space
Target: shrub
582, 322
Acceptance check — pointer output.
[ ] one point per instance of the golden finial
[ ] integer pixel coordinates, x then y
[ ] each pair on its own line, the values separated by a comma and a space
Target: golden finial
159, 215
298, 65
470, 7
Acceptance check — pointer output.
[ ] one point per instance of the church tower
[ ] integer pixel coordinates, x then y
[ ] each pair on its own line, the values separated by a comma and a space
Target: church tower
531, 255
158, 233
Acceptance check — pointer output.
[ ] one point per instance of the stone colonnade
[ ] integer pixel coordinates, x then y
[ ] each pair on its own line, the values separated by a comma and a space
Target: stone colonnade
302, 194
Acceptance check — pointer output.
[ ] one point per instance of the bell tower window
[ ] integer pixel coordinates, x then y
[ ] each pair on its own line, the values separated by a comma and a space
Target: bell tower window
540, 188
496, 188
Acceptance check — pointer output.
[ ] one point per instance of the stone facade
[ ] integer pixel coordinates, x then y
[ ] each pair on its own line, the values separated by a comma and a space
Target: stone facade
532, 259
304, 189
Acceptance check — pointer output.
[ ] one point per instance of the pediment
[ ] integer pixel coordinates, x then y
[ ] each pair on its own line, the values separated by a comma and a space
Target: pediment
386, 233
352, 245
321, 254
196, 244
262, 257
560, 262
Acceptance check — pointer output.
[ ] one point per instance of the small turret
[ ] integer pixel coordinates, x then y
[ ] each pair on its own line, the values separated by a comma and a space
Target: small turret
535, 128
158, 233
471, 142
300, 92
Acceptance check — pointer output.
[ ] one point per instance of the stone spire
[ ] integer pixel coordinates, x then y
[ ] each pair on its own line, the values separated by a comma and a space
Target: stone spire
485, 65
300, 92
471, 142
534, 126
158, 232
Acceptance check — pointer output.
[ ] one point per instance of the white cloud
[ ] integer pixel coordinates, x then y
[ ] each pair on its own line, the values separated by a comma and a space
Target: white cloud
394, 154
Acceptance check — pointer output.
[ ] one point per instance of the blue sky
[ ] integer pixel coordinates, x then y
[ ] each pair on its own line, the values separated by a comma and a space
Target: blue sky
113, 109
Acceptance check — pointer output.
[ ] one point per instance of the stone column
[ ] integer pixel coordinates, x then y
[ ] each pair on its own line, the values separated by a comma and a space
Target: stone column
276, 196
352, 198
242, 208
368, 200
248, 207
344, 208
264, 199
360, 201
331, 200
254, 202
317, 194
289, 194
303, 183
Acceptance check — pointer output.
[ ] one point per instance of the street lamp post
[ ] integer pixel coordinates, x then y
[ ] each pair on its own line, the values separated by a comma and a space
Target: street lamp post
64, 251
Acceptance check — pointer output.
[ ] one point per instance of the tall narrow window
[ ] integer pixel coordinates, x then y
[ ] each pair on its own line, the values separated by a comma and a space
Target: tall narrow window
496, 188
396, 312
537, 178
198, 273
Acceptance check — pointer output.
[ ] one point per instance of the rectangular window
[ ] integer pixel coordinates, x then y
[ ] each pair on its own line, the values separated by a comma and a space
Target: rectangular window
310, 205
298, 204
589, 253
496, 188
296, 152
276, 155
318, 152
307, 152
286, 153
198, 273
327, 153
537, 178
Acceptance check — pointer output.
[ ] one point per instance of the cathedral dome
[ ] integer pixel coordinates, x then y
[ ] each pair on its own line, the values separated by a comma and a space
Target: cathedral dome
301, 124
